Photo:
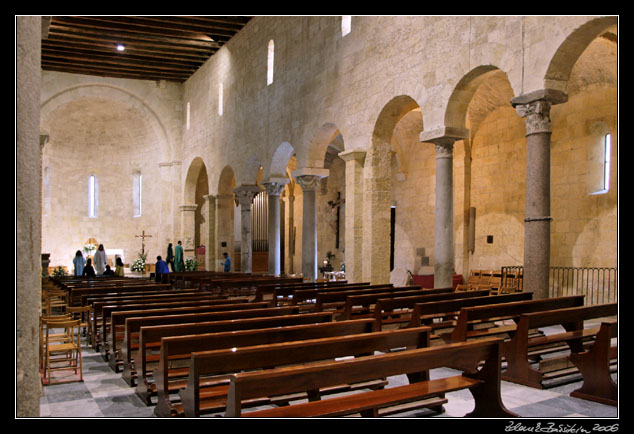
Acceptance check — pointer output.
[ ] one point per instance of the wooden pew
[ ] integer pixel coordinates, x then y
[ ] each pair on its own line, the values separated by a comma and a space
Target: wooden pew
329, 300
516, 350
75, 294
99, 322
305, 296
426, 312
484, 385
178, 346
594, 366
247, 286
284, 291
150, 337
468, 315
367, 300
118, 317
197, 400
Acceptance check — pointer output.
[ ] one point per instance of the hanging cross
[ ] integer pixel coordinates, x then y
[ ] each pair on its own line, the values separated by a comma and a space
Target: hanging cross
143, 236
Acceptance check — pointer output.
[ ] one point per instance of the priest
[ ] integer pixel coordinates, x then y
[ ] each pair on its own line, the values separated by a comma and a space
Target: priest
179, 262
100, 260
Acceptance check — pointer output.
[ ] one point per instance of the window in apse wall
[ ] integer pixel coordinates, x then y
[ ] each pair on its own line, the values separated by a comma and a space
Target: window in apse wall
607, 149
137, 192
599, 171
220, 93
92, 196
269, 63
346, 24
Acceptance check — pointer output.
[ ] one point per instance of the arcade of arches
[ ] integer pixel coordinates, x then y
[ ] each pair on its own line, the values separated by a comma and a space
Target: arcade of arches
436, 145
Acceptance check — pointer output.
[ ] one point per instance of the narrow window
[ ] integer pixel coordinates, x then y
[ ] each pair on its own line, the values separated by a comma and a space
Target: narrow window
392, 235
187, 117
269, 64
220, 92
92, 196
346, 24
137, 192
607, 148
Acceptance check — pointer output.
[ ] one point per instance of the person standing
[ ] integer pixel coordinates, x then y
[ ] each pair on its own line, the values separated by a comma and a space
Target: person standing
179, 262
79, 263
100, 260
170, 256
227, 262
118, 269
89, 271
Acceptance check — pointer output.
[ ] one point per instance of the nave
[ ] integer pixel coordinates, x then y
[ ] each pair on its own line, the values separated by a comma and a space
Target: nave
104, 394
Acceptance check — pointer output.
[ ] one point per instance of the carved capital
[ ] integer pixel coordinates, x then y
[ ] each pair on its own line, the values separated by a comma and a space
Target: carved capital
274, 188
245, 194
188, 208
535, 108
308, 182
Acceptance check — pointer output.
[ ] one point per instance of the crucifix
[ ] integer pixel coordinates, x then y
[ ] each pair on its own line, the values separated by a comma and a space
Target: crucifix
143, 236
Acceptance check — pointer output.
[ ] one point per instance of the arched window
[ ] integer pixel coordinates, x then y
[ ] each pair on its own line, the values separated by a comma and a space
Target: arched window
607, 149
187, 116
269, 63
92, 196
599, 152
137, 193
346, 24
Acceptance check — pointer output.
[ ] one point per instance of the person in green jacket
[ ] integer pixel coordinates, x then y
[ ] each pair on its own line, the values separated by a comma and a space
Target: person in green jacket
179, 262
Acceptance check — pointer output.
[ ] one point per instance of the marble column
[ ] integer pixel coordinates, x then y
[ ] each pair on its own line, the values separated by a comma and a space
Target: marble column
245, 195
535, 108
444, 139
309, 180
353, 238
210, 236
274, 188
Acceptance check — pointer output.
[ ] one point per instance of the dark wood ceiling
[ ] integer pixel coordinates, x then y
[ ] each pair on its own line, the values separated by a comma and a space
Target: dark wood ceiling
156, 47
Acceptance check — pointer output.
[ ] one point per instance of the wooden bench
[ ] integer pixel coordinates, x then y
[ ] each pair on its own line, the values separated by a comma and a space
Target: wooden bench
498, 312
363, 304
516, 350
594, 366
399, 310
98, 321
170, 380
197, 400
270, 288
436, 313
484, 384
308, 296
118, 318
335, 300
247, 286
148, 355
75, 294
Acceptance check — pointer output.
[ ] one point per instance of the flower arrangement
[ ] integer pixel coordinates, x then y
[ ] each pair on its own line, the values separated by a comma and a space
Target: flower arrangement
59, 271
89, 248
139, 264
191, 265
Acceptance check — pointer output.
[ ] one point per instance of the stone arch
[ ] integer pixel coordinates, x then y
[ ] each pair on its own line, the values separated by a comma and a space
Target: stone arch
101, 90
564, 59
225, 206
195, 206
325, 135
279, 161
196, 169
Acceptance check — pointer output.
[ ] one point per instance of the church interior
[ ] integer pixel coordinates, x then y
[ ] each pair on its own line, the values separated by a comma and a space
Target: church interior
393, 150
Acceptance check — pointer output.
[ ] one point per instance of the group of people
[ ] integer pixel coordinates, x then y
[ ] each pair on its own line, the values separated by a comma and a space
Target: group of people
98, 265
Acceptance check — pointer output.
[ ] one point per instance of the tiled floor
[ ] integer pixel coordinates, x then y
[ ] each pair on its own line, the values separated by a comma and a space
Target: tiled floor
104, 394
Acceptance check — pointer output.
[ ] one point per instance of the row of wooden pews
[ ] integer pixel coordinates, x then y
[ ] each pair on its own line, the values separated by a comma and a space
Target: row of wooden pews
199, 351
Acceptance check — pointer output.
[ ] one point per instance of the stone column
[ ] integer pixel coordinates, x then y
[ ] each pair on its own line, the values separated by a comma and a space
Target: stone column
353, 238
188, 222
274, 188
210, 241
245, 195
535, 108
444, 139
224, 227
28, 214
309, 179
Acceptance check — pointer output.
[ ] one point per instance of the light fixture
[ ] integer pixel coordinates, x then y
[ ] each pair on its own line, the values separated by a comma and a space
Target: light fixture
120, 47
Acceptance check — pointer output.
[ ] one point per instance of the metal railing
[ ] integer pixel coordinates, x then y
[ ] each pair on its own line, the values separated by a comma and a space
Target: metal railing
599, 285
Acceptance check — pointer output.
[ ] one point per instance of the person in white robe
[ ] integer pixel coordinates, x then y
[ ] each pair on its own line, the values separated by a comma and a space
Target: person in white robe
100, 260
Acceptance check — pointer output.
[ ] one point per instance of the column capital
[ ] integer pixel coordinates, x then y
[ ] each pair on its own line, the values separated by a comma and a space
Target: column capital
444, 136
535, 107
246, 193
209, 197
353, 155
274, 186
309, 177
188, 207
